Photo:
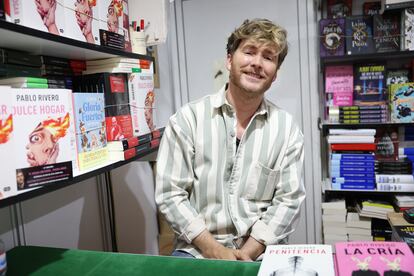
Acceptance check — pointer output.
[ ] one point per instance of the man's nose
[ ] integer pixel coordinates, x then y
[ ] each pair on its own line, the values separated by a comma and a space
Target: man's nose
257, 60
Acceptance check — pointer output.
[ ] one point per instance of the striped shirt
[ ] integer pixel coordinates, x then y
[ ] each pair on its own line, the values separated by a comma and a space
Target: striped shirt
204, 182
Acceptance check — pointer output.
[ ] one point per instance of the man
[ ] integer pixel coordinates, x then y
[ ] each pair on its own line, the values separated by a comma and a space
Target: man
229, 165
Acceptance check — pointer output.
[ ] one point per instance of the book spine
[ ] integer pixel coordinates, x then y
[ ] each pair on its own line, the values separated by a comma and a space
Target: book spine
362, 121
346, 169
400, 187
352, 163
352, 175
394, 178
406, 151
353, 147
349, 180
344, 156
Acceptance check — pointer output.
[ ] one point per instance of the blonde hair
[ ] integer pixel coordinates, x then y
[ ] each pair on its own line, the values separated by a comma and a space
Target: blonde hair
261, 30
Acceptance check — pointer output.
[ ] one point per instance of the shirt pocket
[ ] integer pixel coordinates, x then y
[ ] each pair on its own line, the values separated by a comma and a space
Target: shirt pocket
260, 183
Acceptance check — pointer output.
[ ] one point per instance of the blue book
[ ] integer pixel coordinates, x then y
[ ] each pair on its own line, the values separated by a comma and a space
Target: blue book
406, 151
89, 111
352, 174
353, 180
345, 156
353, 169
352, 162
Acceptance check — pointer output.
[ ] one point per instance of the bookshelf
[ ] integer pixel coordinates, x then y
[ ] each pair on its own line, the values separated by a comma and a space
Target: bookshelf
36, 42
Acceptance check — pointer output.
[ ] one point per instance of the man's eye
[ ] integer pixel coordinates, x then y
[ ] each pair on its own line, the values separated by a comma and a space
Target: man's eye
35, 139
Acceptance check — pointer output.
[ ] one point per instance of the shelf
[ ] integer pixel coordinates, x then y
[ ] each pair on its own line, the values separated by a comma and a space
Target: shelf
18, 37
325, 127
364, 192
56, 186
374, 57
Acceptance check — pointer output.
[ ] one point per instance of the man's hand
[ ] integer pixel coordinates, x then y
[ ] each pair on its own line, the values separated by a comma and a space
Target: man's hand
252, 249
212, 249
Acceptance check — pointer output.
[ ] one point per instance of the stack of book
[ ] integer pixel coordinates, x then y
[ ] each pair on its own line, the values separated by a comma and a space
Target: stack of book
334, 221
358, 114
395, 182
352, 162
401, 229
114, 65
374, 209
358, 228
25, 82
380, 229
18, 64
403, 202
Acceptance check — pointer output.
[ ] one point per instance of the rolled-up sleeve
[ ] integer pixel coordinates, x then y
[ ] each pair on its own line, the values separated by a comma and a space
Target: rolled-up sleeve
277, 221
174, 180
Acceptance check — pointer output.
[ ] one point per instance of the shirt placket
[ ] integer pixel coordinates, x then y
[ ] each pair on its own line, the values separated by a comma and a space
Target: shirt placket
232, 166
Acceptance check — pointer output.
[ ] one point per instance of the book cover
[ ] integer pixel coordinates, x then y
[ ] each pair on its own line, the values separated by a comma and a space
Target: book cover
47, 16
81, 20
387, 143
297, 259
371, 8
45, 135
8, 185
405, 234
114, 17
89, 112
117, 110
142, 101
374, 258
339, 79
123, 144
359, 35
332, 37
397, 76
387, 32
401, 99
339, 8
369, 84
407, 22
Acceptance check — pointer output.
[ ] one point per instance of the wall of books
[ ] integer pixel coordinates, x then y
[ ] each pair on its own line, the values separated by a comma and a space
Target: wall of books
367, 91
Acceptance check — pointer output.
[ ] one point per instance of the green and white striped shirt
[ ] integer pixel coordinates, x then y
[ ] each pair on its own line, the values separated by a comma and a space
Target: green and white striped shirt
204, 182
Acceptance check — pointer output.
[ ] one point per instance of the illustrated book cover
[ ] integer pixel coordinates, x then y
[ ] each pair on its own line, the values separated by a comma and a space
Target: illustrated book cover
359, 35
45, 135
332, 37
401, 99
297, 259
89, 114
369, 84
374, 258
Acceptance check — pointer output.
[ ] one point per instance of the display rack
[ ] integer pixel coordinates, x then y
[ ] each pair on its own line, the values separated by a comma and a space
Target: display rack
36, 42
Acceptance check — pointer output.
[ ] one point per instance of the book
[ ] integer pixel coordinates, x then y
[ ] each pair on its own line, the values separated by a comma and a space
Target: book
89, 116
401, 98
297, 259
350, 139
8, 56
45, 135
123, 144
117, 110
407, 30
353, 147
142, 101
339, 8
339, 79
387, 143
397, 76
359, 35
112, 61
396, 187
10, 180
332, 37
394, 178
374, 258
345, 156
371, 8
122, 155
354, 220
23, 80
387, 32
369, 84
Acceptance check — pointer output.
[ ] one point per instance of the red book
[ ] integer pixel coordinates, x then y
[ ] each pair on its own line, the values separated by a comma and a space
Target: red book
354, 147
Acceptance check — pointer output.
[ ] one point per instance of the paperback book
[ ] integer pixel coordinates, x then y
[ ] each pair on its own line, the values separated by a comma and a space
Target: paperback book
8, 185
45, 135
374, 258
297, 259
359, 35
387, 32
332, 37
407, 21
90, 130
339, 8
401, 100
369, 85
371, 8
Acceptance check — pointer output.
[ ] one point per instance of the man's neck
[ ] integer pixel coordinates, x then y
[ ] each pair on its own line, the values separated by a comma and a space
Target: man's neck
244, 105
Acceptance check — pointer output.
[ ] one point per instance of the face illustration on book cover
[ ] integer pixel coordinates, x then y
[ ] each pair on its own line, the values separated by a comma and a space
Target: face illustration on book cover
115, 130
43, 146
115, 10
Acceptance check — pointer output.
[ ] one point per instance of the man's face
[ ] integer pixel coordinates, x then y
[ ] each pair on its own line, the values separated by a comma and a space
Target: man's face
20, 179
253, 66
40, 146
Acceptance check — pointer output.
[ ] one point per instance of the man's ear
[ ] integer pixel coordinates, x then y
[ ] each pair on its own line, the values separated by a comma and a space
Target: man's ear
275, 76
229, 60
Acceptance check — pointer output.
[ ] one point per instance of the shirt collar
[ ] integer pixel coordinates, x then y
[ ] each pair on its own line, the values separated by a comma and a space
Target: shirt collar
219, 100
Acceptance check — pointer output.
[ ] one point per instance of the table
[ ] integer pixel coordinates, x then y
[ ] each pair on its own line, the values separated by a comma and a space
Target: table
34, 260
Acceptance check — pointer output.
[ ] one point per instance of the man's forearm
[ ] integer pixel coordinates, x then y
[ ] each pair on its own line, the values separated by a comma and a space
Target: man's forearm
253, 248
210, 248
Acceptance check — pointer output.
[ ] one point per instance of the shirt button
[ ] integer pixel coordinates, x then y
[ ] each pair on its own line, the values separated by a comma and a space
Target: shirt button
232, 134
